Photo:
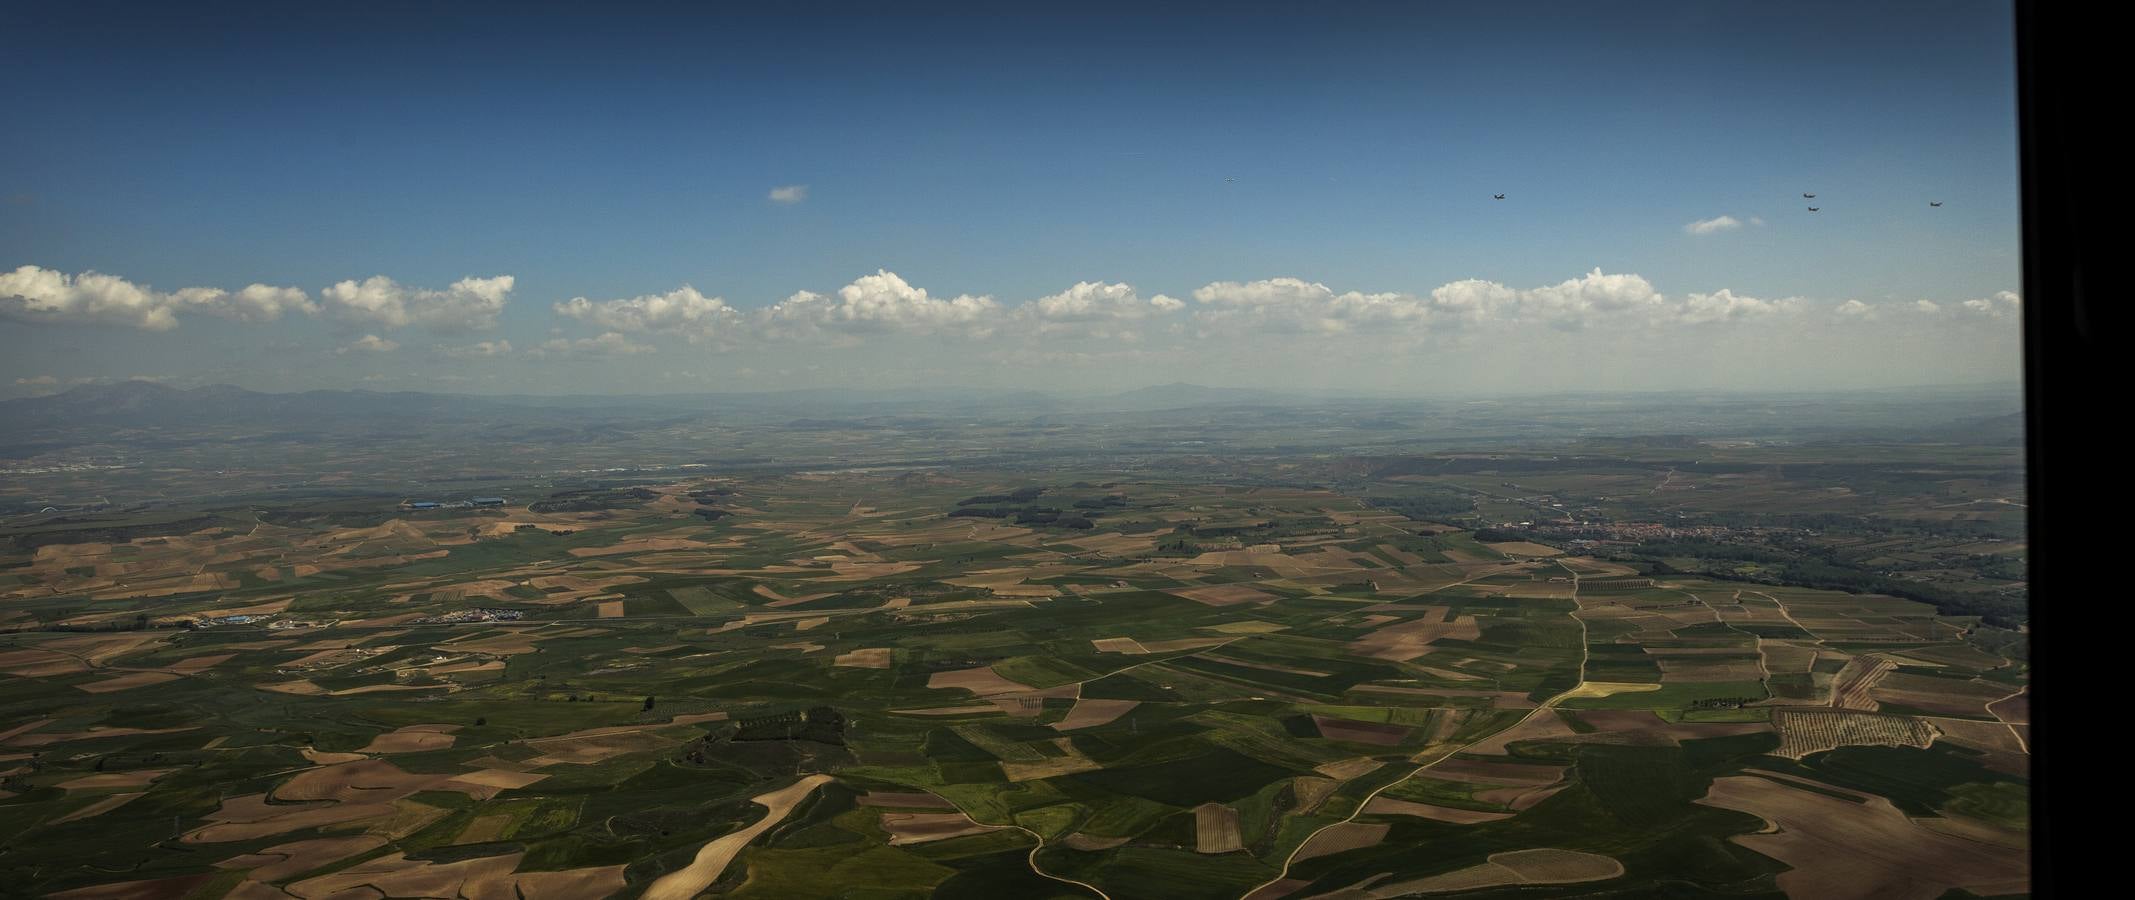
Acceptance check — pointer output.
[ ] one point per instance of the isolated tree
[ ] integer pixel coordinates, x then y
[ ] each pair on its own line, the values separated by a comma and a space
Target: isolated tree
648, 703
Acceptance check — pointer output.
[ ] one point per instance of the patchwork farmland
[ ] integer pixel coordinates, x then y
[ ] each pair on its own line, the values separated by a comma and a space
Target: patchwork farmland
1248, 683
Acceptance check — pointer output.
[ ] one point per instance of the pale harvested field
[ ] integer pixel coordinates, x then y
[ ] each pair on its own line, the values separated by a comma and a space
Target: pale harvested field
981, 681
365, 780
1216, 829
1388, 806
1070, 762
907, 828
1247, 627
1964, 655
39, 739
1118, 645
596, 744
297, 857
389, 688
193, 665
1870, 849
1178, 644
1114, 544
499, 779
1489, 772
904, 800
994, 579
250, 817
1535, 728
984, 709
1693, 670
1639, 726
1595, 568
781, 601
1499, 699
1407, 640
610, 609
641, 545
33, 663
567, 884
507, 643
483, 829
1802, 732
1539, 866
1088, 713
328, 758
127, 681
1340, 838
1026, 591
1525, 548
1277, 890
1223, 594
1599, 689
1976, 830
864, 658
1265, 667
155, 889
1312, 791
1521, 799
712, 859
1938, 695
1979, 735
99, 808
394, 875
1782, 657
1346, 769
108, 780
412, 739
1089, 844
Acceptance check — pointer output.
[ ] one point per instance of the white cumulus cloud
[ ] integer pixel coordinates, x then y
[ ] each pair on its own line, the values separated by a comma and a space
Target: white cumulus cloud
789, 194
612, 343
1293, 305
878, 303
470, 304
370, 343
35, 294
2003, 303
1094, 309
254, 303
477, 350
1726, 306
683, 311
1713, 225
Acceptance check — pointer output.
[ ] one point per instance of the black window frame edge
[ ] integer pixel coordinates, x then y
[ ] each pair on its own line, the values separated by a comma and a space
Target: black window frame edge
2060, 60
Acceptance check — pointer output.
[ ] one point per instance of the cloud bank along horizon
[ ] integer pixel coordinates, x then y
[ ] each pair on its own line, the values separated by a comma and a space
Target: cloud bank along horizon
1596, 329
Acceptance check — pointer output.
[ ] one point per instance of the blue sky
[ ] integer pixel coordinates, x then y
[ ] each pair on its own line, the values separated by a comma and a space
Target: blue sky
974, 151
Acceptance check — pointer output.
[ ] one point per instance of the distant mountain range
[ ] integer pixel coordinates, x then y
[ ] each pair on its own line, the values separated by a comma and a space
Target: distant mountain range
1971, 415
144, 403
